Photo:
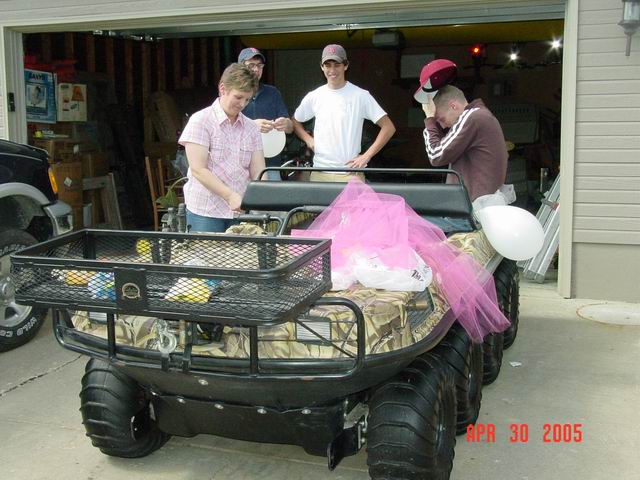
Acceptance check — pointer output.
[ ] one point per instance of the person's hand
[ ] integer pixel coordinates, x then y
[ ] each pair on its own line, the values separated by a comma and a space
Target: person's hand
281, 124
234, 200
360, 161
311, 144
265, 126
429, 108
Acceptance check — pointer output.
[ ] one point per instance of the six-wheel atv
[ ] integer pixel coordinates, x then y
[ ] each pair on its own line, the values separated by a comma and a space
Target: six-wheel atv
236, 335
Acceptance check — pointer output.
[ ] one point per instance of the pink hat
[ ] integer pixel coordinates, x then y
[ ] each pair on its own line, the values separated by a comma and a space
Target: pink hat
434, 75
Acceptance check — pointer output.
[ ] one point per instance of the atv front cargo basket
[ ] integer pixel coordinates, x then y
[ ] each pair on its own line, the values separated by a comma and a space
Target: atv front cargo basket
256, 280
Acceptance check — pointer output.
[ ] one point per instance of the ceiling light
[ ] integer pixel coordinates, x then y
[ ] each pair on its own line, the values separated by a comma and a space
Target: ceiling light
513, 56
556, 44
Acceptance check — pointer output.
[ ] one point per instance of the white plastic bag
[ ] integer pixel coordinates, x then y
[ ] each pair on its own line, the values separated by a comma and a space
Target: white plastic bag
505, 195
372, 273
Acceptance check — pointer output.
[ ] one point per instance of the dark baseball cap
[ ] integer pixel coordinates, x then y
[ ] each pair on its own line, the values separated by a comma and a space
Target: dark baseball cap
334, 52
248, 53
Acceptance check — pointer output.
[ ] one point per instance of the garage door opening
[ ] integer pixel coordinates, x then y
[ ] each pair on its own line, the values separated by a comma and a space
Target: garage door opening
140, 87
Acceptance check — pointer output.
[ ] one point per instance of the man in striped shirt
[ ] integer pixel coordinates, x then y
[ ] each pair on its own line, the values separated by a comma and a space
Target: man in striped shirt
224, 150
466, 137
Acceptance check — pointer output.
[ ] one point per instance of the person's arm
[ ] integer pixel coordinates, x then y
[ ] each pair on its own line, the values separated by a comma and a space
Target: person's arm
387, 129
302, 134
447, 149
198, 158
257, 164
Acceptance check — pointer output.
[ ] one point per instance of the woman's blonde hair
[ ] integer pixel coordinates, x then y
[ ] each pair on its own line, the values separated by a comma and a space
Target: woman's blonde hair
239, 77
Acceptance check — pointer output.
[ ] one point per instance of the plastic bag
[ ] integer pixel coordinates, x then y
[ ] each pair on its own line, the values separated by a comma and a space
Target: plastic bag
371, 271
505, 195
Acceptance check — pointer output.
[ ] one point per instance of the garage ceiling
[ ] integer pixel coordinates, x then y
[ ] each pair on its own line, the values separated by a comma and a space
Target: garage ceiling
496, 32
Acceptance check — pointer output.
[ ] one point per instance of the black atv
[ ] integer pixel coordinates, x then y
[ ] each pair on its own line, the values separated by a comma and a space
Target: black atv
29, 213
236, 335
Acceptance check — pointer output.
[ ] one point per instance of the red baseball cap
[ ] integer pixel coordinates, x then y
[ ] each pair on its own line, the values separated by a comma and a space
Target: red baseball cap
435, 75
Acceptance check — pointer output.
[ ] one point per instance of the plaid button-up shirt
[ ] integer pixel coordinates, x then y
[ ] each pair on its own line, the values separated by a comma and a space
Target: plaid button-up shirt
230, 149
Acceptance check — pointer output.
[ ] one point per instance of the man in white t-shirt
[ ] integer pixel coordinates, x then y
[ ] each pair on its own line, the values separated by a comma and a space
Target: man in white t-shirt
340, 109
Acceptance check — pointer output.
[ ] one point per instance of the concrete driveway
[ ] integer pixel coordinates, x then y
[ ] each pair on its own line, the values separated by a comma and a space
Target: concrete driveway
563, 370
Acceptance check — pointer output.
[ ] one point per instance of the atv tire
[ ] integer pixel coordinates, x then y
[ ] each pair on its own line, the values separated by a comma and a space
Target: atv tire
116, 413
412, 423
466, 360
18, 323
507, 279
492, 352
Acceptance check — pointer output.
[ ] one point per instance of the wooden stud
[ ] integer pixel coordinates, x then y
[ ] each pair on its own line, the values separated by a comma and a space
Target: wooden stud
204, 62
69, 48
46, 47
128, 70
216, 59
160, 68
177, 66
108, 58
146, 90
91, 52
191, 68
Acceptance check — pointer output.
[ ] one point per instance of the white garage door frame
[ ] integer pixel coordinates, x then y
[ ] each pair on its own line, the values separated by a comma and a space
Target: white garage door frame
274, 17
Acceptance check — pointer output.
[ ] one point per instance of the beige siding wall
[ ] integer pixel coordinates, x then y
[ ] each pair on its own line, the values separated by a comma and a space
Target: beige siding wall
608, 272
606, 223
607, 161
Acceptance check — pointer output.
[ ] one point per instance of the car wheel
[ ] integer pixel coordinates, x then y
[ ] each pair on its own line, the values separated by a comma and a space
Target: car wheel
18, 323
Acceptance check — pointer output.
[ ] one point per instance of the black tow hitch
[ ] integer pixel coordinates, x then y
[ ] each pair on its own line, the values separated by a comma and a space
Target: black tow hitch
347, 443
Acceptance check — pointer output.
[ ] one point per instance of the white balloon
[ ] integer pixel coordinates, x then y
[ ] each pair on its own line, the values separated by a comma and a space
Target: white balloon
273, 142
513, 232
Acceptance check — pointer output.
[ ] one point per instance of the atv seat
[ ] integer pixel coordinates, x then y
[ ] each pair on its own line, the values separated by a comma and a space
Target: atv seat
429, 200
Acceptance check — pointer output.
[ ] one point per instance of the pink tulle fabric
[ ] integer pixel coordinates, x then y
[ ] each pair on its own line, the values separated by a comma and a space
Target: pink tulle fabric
361, 219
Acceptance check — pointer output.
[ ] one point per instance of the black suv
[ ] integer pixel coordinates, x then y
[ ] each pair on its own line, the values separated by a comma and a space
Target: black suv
29, 213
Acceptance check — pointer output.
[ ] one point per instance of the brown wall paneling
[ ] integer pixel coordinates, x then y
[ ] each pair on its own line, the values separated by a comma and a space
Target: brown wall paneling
204, 62
177, 64
90, 45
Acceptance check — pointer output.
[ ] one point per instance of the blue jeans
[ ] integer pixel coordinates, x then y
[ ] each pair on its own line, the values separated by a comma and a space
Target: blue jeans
198, 223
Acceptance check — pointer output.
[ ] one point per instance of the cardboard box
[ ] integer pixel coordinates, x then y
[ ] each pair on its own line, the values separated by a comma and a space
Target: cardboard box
69, 179
64, 150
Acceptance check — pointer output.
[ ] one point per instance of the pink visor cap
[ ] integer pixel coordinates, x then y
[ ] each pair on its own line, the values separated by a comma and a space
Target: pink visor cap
435, 75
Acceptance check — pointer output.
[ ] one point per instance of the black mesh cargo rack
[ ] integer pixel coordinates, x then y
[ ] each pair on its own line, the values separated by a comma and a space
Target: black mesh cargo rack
229, 279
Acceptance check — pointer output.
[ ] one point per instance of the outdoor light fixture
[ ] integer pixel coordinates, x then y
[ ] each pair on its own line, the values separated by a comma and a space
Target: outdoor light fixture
630, 20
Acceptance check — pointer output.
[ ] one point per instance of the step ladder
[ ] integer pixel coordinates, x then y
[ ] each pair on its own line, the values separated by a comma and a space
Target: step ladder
549, 217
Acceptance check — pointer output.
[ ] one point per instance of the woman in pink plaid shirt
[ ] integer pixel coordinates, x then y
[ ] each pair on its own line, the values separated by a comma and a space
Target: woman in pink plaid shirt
224, 150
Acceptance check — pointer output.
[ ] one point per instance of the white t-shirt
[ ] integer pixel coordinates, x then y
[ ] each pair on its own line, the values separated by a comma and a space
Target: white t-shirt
339, 117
